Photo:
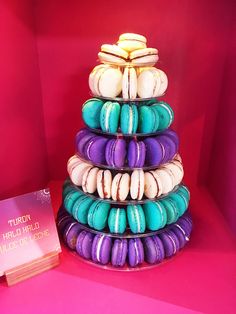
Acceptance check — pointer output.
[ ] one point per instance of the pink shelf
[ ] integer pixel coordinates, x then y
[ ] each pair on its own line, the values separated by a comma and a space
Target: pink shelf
201, 278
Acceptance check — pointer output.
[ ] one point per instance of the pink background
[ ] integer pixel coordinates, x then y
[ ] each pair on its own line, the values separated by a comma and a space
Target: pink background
47, 49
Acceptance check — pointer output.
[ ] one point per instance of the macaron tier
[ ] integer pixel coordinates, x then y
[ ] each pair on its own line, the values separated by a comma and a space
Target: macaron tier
127, 118
124, 205
123, 252
127, 216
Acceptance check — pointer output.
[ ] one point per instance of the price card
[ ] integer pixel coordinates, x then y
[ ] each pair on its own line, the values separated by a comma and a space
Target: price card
29, 241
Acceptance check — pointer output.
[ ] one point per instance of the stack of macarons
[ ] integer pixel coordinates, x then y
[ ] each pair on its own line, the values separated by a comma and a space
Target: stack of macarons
121, 152
121, 252
150, 215
127, 118
124, 203
128, 70
121, 186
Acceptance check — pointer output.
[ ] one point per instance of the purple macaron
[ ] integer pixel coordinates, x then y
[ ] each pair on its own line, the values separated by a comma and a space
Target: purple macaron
115, 152
63, 222
173, 135
84, 244
95, 149
153, 250
70, 234
170, 243
82, 142
101, 249
136, 154
154, 152
136, 252
169, 145
119, 252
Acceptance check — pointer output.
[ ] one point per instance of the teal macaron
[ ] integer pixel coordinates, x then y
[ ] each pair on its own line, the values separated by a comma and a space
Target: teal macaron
81, 208
136, 218
117, 220
98, 215
70, 199
109, 117
181, 202
67, 189
155, 215
129, 118
91, 112
184, 190
165, 113
171, 210
148, 120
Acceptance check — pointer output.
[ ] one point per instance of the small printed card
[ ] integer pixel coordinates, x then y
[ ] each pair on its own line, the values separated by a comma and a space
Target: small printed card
27, 229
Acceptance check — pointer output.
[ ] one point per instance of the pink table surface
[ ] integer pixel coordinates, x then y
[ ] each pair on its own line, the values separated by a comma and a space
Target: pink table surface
201, 278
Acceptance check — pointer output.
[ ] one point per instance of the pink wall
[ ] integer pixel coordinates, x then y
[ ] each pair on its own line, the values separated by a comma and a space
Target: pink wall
23, 161
222, 171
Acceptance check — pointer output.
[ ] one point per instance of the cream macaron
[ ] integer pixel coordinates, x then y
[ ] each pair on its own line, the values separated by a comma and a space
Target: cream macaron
152, 184
152, 82
106, 81
129, 83
166, 178
132, 41
89, 181
104, 181
144, 57
137, 184
113, 54
120, 186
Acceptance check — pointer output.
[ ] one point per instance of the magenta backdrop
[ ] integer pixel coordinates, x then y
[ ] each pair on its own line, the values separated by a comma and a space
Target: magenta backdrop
46, 63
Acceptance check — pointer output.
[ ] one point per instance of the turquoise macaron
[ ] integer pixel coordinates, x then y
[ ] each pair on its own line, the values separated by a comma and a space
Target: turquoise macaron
165, 113
148, 120
136, 218
70, 199
129, 118
67, 189
117, 220
181, 202
91, 112
171, 210
109, 117
98, 214
155, 215
81, 208
184, 190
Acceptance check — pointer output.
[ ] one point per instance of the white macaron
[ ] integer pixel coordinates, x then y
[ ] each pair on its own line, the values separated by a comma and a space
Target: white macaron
89, 181
132, 41
113, 54
129, 83
137, 184
104, 181
152, 184
144, 57
120, 186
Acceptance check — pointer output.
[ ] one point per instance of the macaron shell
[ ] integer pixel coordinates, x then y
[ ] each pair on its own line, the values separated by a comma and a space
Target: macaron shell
91, 112
137, 184
98, 215
84, 244
95, 149
77, 173
89, 182
154, 152
101, 249
117, 220
155, 215
110, 83
164, 83
109, 116
181, 202
129, 118
81, 208
104, 182
166, 114
171, 210
70, 199
153, 250
136, 252
120, 186
136, 218
119, 252
166, 179
70, 235
148, 120
170, 243
136, 154
115, 152
149, 83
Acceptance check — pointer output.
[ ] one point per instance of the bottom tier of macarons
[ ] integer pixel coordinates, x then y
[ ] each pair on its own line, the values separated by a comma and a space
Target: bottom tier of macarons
124, 252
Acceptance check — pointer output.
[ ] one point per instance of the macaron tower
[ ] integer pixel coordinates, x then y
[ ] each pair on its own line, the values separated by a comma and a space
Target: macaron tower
124, 204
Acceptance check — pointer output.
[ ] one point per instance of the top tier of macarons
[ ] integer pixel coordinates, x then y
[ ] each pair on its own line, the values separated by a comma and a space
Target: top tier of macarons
127, 70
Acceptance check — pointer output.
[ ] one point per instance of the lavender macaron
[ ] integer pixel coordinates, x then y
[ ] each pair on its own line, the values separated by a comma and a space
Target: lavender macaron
136, 154
71, 233
136, 252
119, 252
153, 250
115, 152
169, 145
170, 243
154, 152
95, 149
101, 249
84, 244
